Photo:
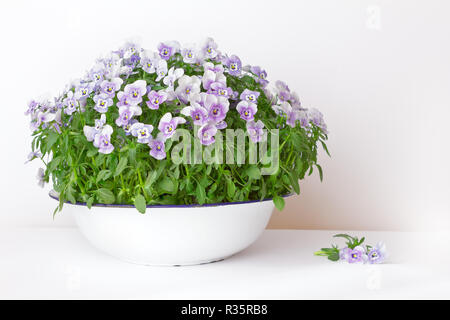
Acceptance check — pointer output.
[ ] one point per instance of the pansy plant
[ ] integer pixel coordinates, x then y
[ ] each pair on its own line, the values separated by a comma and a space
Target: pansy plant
114, 128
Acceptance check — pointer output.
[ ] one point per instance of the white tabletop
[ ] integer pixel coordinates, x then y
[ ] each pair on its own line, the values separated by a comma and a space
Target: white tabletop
58, 263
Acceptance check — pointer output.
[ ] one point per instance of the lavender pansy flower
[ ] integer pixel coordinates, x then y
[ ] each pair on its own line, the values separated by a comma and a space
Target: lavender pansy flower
126, 113
234, 65
220, 89
261, 75
255, 131
316, 117
198, 113
250, 96
189, 53
206, 133
209, 49
127, 127
103, 143
168, 49
124, 99
102, 102
149, 61
83, 90
167, 124
172, 76
210, 77
142, 132
292, 115
70, 103
377, 254
157, 147
41, 177
247, 110
212, 67
221, 125
217, 107
161, 69
135, 91
156, 98
32, 107
90, 132
111, 86
130, 49
356, 255
32, 155
187, 86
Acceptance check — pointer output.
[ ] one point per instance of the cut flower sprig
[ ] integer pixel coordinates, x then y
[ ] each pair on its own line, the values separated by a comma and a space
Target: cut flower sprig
355, 251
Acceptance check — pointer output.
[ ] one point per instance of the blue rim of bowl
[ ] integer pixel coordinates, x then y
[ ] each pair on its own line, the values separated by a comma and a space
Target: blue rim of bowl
54, 196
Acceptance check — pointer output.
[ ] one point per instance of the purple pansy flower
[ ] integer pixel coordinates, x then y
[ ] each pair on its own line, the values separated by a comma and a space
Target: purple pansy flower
221, 125
111, 86
157, 147
156, 98
189, 53
214, 68
32, 155
41, 177
142, 132
206, 133
316, 117
198, 113
167, 124
90, 132
209, 49
217, 107
149, 61
102, 102
210, 77
103, 143
172, 76
377, 254
234, 65
126, 113
220, 89
70, 103
292, 115
32, 107
161, 69
127, 127
187, 86
261, 75
135, 91
124, 99
83, 90
356, 255
96, 74
247, 110
255, 131
250, 96
168, 49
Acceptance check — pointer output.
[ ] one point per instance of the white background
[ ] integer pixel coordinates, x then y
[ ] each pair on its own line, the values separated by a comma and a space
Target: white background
378, 70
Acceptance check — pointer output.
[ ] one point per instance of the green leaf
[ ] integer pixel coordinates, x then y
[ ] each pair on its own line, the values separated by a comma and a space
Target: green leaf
51, 139
253, 172
294, 182
103, 175
91, 152
105, 196
231, 188
166, 185
89, 202
279, 202
140, 203
122, 164
200, 194
151, 178
320, 172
